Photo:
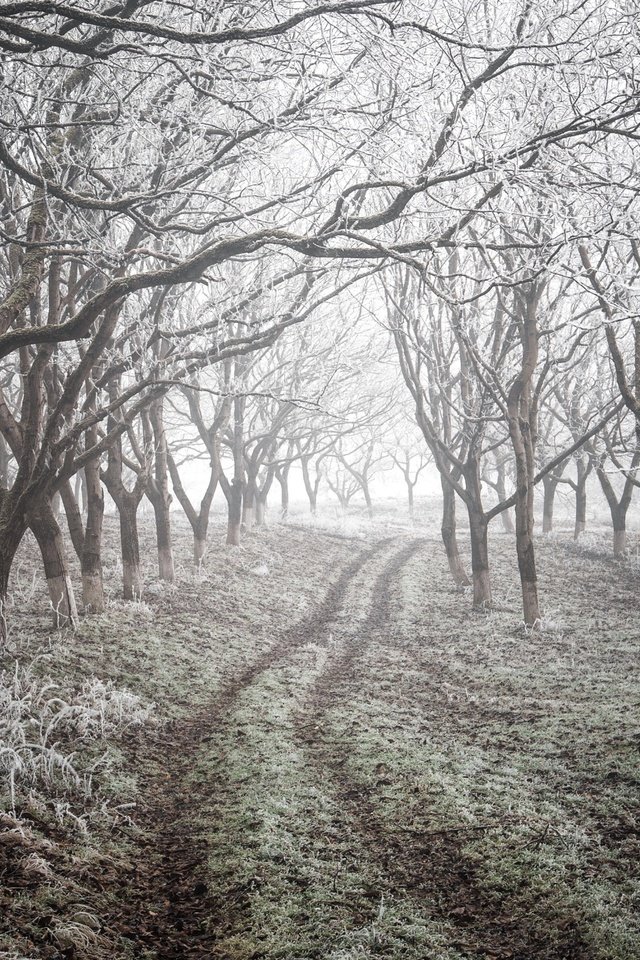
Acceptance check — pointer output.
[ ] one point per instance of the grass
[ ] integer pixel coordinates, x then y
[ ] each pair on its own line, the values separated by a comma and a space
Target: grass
435, 785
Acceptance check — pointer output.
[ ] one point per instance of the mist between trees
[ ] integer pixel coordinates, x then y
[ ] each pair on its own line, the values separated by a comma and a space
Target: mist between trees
331, 235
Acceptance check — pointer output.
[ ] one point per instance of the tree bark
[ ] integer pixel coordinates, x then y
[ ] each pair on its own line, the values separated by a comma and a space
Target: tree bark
91, 559
478, 530
130, 546
234, 521
200, 538
449, 537
48, 534
283, 480
620, 538
87, 540
248, 506
550, 485
5, 460
618, 507
521, 420
581, 499
159, 494
410, 499
12, 531
74, 517
501, 490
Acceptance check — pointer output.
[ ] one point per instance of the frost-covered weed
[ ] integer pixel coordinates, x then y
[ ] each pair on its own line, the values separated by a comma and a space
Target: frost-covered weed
544, 626
132, 609
41, 730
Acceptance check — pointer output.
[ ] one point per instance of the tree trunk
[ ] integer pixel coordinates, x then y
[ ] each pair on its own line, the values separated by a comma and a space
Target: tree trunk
524, 540
248, 504
6, 559
620, 539
312, 491
261, 506
410, 498
367, 499
163, 539
158, 493
619, 507
283, 478
74, 516
522, 430
200, 539
11, 534
501, 490
80, 491
478, 529
234, 522
5, 460
91, 558
449, 537
581, 500
199, 521
550, 485
131, 575
48, 534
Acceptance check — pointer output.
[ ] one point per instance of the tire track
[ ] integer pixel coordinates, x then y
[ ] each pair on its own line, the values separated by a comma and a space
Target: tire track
428, 867
165, 908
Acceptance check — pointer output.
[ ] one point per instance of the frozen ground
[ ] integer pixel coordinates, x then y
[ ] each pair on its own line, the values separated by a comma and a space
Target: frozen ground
342, 761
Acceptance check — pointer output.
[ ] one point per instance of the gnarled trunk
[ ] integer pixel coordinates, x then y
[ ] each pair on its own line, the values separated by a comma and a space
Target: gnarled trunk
91, 559
200, 530
199, 520
48, 534
449, 537
478, 530
619, 506
311, 488
12, 530
130, 547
